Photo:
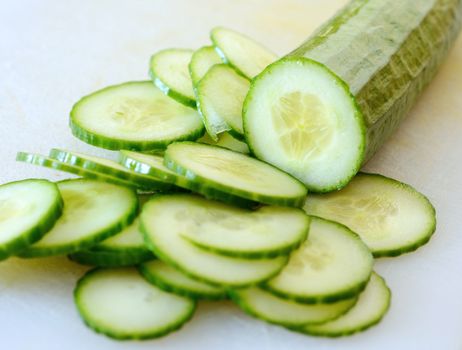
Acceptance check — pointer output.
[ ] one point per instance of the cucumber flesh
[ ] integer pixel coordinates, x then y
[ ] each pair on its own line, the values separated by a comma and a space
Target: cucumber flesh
129, 239
133, 115
201, 61
234, 173
28, 209
93, 211
122, 305
391, 217
373, 303
173, 280
245, 55
103, 258
333, 264
225, 140
163, 219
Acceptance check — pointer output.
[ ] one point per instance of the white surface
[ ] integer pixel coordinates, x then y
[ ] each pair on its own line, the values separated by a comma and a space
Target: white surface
54, 52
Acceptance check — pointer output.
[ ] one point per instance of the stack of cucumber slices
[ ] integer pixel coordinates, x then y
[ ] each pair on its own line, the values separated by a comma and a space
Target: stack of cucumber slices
185, 212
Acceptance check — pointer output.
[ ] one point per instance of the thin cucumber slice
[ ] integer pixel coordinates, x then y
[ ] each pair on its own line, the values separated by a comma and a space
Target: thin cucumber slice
245, 55
170, 73
28, 209
220, 96
235, 173
109, 167
225, 140
391, 217
333, 264
133, 115
230, 231
122, 305
103, 258
266, 306
173, 280
201, 61
93, 211
165, 217
373, 303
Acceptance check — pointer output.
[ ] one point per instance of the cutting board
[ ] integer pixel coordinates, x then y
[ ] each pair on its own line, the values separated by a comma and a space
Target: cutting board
54, 52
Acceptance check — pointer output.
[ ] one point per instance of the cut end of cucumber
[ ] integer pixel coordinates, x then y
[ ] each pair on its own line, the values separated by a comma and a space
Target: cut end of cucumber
300, 117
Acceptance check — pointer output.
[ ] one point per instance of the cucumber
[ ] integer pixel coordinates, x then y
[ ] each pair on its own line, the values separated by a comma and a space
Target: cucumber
333, 264
201, 61
170, 73
234, 173
373, 303
133, 115
220, 95
225, 140
28, 209
122, 305
391, 217
173, 280
93, 211
323, 110
165, 217
264, 305
245, 55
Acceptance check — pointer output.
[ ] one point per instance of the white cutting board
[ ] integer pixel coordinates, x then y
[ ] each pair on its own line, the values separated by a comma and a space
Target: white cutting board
54, 52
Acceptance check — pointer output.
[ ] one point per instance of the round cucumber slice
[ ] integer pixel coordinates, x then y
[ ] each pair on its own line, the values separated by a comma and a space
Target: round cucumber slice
28, 209
103, 258
201, 61
225, 140
133, 115
170, 73
235, 173
165, 217
122, 305
173, 280
333, 264
391, 217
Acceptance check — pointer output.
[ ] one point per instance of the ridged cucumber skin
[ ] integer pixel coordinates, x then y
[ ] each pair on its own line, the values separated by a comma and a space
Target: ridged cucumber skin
102, 258
387, 92
38, 231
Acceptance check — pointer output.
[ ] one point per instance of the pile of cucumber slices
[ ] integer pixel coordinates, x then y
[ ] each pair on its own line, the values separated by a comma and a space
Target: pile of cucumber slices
185, 211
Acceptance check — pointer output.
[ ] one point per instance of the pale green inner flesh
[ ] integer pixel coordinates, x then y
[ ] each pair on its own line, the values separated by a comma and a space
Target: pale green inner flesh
129, 237
330, 261
120, 300
385, 213
137, 112
22, 206
201, 61
227, 141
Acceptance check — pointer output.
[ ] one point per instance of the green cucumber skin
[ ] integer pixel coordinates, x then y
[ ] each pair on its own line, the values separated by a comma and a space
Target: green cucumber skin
385, 93
111, 258
35, 233
171, 93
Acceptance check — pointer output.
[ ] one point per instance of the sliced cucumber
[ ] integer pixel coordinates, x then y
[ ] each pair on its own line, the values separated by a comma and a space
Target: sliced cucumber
242, 53
165, 217
133, 115
103, 258
333, 264
391, 217
173, 280
227, 141
122, 305
28, 209
170, 73
109, 167
201, 61
270, 308
373, 303
93, 211
235, 173
220, 96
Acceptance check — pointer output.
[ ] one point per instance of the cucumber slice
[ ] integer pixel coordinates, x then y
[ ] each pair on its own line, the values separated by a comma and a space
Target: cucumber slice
391, 217
28, 209
333, 264
231, 231
122, 305
109, 167
133, 115
373, 303
220, 96
173, 280
170, 73
242, 53
235, 173
264, 305
165, 217
201, 61
225, 140
110, 258
93, 211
